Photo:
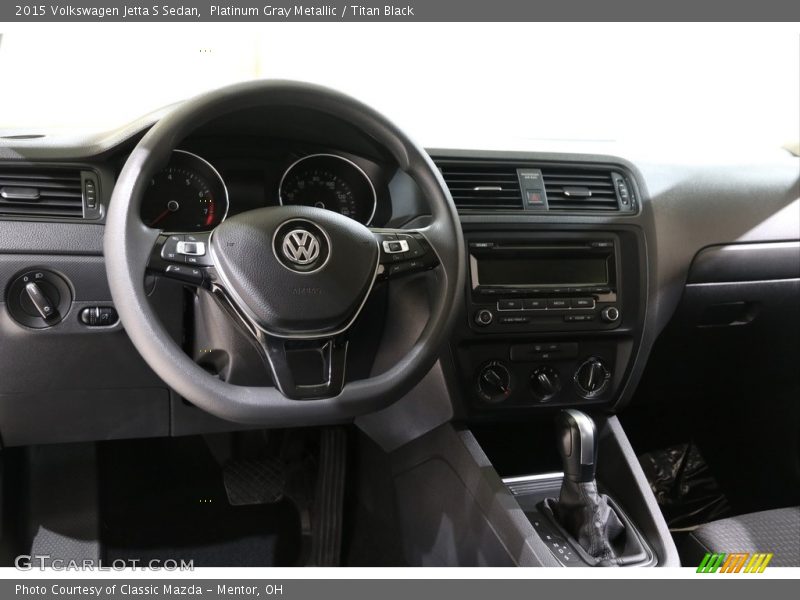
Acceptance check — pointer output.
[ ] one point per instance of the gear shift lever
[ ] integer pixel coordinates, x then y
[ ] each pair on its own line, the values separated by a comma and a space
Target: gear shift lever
581, 510
578, 445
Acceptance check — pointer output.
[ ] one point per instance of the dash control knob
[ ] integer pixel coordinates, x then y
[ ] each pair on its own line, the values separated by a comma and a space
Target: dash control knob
494, 382
545, 383
484, 317
610, 314
592, 377
38, 298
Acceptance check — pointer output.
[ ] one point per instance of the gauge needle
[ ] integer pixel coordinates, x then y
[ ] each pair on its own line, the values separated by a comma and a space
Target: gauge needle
160, 218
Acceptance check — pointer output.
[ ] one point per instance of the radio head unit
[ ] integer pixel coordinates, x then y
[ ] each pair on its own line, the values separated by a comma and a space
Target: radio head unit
545, 283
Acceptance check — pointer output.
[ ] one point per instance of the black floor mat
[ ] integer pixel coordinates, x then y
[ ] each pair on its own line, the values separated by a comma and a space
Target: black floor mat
684, 486
165, 499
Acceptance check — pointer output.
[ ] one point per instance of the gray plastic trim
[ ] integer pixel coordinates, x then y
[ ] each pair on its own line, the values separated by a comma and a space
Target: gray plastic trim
444, 477
746, 262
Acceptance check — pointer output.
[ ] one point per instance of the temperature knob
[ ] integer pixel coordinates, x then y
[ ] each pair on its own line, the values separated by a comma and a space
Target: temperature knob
545, 383
592, 377
494, 382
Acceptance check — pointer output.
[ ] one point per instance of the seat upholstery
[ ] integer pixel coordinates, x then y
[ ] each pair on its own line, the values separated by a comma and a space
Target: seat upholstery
776, 531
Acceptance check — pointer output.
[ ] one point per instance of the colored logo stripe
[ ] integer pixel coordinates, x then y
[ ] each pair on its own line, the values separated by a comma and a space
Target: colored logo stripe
758, 563
736, 562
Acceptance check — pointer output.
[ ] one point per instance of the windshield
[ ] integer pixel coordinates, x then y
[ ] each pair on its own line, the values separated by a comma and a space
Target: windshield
513, 82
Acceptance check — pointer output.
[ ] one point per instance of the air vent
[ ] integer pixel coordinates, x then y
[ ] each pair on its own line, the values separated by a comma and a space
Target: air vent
482, 187
578, 189
41, 192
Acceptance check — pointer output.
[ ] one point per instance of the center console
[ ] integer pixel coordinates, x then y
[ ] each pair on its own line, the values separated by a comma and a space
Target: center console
553, 317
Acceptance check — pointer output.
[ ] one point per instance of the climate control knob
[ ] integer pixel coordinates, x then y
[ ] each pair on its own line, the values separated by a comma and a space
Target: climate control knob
494, 382
545, 383
592, 377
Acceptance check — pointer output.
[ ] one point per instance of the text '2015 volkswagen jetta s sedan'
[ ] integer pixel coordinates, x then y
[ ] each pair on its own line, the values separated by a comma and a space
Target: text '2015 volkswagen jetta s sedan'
264, 326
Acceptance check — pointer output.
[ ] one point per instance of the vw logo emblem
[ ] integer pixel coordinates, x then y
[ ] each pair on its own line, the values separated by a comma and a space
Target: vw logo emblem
300, 247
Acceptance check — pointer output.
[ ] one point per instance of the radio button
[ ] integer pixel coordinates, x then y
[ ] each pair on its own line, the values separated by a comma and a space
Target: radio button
582, 303
509, 305
514, 320
599, 290
534, 352
558, 303
534, 304
572, 318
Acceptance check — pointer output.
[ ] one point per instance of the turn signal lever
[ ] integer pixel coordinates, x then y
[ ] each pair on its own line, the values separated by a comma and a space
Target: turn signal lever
578, 445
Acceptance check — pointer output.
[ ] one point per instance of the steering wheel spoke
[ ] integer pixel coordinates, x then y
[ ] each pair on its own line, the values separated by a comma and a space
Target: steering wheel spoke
185, 257
403, 252
306, 369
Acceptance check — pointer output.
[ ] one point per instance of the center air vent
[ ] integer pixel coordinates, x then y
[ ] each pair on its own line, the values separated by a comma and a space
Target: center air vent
581, 189
483, 187
43, 191
553, 187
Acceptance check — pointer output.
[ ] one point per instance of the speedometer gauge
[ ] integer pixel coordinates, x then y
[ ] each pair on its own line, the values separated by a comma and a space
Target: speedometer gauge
187, 195
332, 182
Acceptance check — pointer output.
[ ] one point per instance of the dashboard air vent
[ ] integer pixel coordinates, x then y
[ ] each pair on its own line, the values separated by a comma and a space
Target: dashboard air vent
41, 192
482, 187
580, 189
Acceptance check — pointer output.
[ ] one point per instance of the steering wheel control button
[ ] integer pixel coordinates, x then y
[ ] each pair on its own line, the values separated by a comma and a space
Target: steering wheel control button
186, 273
404, 253
169, 251
484, 317
191, 248
38, 299
395, 247
99, 316
194, 250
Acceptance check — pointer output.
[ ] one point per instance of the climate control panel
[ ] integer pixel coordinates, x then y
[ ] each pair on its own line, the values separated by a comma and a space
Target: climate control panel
556, 373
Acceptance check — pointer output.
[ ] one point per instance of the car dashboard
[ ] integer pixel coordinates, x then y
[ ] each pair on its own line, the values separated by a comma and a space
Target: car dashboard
614, 241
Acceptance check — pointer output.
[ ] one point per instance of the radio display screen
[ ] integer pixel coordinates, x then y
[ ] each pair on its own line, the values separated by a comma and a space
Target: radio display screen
542, 271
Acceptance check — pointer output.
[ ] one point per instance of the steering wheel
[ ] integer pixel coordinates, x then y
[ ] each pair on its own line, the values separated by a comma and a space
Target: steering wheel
294, 277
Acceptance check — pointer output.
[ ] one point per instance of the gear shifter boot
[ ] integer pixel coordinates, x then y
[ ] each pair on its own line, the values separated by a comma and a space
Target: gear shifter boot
586, 515
602, 534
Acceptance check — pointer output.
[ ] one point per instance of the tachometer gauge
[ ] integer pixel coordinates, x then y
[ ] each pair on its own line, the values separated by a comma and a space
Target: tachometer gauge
332, 182
187, 195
